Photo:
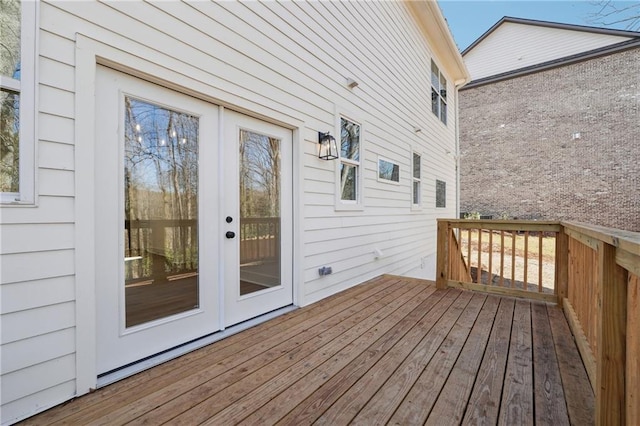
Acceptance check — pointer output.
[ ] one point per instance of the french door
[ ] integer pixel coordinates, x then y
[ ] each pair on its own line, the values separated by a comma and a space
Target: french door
258, 219
186, 243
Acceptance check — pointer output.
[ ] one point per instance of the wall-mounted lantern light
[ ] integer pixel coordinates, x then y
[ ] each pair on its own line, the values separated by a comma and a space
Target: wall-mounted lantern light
327, 146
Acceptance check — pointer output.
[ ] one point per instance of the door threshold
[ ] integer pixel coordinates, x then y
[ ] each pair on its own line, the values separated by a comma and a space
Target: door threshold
144, 364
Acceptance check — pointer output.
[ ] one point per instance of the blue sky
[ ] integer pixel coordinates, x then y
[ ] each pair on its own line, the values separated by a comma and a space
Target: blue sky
469, 19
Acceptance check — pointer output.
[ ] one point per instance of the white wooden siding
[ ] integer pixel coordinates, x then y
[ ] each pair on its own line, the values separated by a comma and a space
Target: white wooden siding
262, 58
513, 46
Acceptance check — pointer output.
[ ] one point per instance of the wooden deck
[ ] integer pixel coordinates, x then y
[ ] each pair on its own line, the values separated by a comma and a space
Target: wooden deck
390, 351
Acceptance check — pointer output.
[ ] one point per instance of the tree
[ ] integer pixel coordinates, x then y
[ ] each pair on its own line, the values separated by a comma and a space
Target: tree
616, 13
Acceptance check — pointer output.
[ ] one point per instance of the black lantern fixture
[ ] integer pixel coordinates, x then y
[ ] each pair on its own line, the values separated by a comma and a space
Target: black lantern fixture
327, 146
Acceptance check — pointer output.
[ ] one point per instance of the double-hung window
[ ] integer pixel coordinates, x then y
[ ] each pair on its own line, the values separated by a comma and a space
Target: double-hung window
416, 185
438, 93
349, 168
17, 100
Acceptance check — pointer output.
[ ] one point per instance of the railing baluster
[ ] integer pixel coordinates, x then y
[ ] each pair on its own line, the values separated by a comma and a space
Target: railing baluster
540, 238
513, 259
479, 269
490, 277
469, 248
526, 260
501, 258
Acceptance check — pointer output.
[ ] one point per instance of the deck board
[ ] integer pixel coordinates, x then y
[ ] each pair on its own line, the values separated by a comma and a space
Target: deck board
389, 351
551, 407
484, 403
452, 401
517, 393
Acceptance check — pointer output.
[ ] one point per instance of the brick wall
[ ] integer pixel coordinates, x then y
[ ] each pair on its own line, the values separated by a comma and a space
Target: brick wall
518, 158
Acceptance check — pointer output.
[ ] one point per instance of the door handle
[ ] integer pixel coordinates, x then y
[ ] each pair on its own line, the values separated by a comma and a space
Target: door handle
230, 234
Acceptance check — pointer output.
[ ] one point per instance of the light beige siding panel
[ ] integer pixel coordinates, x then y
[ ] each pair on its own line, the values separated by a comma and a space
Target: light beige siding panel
30, 380
57, 48
237, 27
53, 155
49, 210
377, 72
36, 350
54, 128
56, 101
364, 253
331, 284
34, 294
324, 50
20, 267
233, 50
56, 74
340, 44
56, 182
35, 322
369, 43
27, 238
513, 46
133, 34
319, 187
35, 402
344, 244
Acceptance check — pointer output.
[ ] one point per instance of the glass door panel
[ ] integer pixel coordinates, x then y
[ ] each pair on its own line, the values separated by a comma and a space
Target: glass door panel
257, 207
259, 212
160, 211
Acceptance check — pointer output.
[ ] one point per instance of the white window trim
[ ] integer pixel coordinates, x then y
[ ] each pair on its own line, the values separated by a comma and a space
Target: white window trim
418, 206
383, 180
440, 75
28, 101
357, 204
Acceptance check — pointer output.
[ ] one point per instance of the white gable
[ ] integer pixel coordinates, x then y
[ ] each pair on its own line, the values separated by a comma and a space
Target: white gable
512, 46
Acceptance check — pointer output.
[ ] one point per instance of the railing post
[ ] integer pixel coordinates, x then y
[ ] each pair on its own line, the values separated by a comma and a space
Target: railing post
442, 263
611, 338
562, 265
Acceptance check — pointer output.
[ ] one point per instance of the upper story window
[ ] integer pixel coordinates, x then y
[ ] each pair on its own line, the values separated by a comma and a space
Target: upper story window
438, 93
17, 100
350, 166
416, 180
441, 193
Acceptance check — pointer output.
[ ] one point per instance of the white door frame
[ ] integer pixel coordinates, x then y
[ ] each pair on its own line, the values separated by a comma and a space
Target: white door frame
142, 62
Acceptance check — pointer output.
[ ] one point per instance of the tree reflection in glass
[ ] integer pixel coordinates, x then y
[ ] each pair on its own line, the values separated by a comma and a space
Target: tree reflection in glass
259, 212
161, 211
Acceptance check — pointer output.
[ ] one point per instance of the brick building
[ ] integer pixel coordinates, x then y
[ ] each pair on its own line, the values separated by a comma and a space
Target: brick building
550, 124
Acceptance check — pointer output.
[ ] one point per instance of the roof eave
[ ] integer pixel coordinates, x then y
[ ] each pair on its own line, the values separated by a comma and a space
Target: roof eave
548, 24
435, 28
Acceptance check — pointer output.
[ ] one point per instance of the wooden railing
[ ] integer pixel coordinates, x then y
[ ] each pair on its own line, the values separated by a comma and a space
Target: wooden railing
259, 239
505, 257
596, 280
164, 248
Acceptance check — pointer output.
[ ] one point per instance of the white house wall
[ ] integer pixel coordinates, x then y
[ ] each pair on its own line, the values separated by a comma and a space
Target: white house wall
273, 60
512, 46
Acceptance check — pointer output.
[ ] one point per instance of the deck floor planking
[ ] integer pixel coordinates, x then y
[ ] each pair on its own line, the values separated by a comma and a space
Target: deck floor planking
390, 351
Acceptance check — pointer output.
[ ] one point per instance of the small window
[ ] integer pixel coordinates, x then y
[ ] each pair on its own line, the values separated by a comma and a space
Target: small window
17, 101
349, 168
441, 193
416, 183
438, 93
388, 171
